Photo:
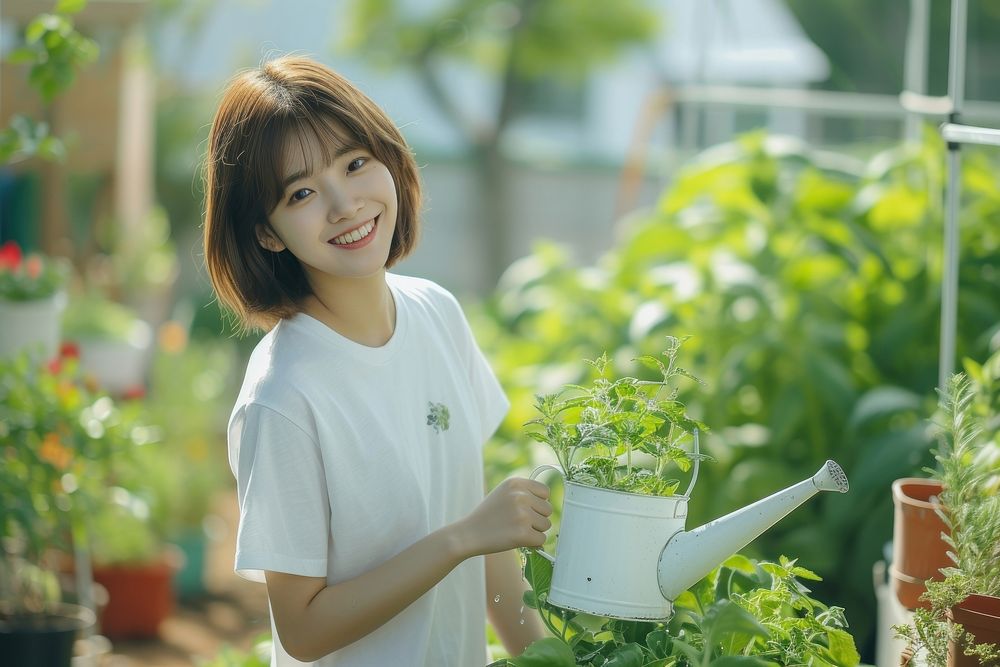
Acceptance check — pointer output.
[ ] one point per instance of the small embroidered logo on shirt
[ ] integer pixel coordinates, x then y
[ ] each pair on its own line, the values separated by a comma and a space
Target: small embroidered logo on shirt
437, 416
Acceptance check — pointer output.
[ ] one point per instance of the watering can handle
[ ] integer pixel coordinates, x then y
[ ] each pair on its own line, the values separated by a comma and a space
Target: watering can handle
697, 459
535, 473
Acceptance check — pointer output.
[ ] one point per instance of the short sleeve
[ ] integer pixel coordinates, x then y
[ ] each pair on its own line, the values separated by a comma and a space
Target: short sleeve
284, 505
486, 389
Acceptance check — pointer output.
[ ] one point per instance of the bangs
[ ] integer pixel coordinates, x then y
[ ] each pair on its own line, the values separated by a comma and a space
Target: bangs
303, 144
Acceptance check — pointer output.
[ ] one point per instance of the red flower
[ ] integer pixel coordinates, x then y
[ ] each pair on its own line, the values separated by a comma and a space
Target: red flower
134, 393
69, 350
10, 256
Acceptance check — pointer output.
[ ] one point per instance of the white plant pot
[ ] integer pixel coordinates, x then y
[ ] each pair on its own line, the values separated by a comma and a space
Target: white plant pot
31, 325
118, 365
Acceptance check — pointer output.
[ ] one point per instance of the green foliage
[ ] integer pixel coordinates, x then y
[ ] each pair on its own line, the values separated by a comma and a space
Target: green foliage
564, 37
742, 613
259, 656
95, 317
968, 458
189, 396
621, 418
969, 507
55, 52
62, 444
810, 295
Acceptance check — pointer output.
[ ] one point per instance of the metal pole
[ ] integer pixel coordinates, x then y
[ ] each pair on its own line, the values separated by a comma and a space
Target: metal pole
915, 63
953, 195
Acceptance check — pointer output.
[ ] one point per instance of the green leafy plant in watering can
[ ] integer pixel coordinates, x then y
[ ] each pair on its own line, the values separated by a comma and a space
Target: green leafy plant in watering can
615, 422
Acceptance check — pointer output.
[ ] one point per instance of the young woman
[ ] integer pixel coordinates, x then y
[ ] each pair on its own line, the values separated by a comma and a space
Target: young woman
356, 439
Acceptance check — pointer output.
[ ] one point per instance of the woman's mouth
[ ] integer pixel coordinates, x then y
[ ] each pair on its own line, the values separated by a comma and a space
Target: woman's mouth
357, 237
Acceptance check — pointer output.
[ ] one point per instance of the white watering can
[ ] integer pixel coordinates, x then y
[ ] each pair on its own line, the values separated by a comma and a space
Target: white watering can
612, 543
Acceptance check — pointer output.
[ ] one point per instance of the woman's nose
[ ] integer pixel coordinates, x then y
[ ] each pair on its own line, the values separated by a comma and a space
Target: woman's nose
343, 204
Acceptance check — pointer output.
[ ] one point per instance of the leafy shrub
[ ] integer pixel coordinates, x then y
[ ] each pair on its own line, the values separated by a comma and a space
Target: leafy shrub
810, 289
742, 613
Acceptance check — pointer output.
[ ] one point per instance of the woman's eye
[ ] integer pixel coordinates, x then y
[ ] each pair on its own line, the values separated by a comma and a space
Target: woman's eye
299, 195
356, 163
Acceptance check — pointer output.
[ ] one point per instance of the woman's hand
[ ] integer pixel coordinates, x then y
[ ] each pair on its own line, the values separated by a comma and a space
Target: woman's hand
515, 514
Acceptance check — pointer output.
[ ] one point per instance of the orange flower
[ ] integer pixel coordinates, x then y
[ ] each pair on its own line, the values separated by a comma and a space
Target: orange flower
33, 266
173, 337
54, 452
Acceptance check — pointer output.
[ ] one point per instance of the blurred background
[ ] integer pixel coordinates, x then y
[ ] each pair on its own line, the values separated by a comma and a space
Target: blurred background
765, 176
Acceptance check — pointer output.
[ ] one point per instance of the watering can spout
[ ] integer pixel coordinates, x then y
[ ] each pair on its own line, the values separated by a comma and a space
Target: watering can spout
689, 556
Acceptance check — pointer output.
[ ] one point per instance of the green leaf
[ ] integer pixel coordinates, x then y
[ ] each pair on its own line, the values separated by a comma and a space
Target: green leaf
741, 563
38, 27
70, 6
538, 572
882, 402
726, 619
658, 642
548, 652
842, 651
692, 654
22, 56
742, 661
629, 655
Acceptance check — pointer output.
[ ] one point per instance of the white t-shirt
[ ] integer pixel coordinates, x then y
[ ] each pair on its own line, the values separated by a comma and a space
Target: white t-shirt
345, 455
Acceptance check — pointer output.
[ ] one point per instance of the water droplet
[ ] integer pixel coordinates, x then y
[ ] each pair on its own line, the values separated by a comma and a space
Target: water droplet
522, 609
522, 621
497, 598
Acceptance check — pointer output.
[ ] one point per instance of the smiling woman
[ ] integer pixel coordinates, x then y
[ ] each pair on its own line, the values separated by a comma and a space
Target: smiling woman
356, 440
326, 217
312, 119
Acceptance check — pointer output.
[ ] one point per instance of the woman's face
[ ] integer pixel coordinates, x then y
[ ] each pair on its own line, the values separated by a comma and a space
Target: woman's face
337, 219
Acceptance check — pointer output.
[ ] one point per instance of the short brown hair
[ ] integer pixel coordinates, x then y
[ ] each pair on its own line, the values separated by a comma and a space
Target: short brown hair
261, 109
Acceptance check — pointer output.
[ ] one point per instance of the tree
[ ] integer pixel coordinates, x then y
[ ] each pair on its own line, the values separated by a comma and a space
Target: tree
519, 41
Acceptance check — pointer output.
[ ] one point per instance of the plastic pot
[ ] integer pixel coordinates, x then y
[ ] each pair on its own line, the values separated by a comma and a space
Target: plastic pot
918, 551
980, 616
45, 640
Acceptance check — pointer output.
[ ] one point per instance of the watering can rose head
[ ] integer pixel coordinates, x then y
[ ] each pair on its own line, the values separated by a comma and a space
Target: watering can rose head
600, 432
29, 277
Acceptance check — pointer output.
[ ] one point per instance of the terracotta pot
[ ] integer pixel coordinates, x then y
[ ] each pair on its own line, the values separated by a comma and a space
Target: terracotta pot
45, 641
140, 597
980, 616
918, 552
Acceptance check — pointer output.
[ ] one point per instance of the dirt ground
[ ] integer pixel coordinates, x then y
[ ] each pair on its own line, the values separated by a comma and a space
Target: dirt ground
233, 613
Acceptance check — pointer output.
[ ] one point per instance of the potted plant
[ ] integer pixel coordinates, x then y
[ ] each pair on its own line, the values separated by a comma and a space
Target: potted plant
962, 624
32, 298
133, 564
629, 430
115, 345
60, 441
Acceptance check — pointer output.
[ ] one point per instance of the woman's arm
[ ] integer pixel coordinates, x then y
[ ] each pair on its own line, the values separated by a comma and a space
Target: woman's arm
314, 619
515, 625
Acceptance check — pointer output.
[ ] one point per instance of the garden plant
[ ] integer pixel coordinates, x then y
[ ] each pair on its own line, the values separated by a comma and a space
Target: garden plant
615, 421
63, 443
968, 467
742, 613
809, 285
